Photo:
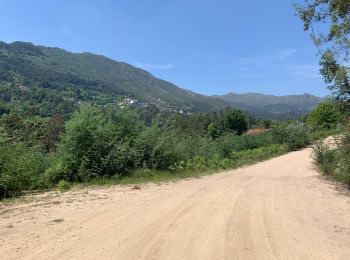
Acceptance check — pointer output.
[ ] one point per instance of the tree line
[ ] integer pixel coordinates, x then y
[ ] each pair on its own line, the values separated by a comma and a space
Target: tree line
107, 142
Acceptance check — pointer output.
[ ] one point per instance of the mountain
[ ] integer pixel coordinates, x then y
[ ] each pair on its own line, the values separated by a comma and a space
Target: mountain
54, 80
50, 80
273, 107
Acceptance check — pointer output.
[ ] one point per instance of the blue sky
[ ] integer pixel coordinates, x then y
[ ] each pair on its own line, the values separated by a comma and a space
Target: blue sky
210, 47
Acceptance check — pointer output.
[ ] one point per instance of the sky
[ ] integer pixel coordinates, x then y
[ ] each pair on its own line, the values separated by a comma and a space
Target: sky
209, 47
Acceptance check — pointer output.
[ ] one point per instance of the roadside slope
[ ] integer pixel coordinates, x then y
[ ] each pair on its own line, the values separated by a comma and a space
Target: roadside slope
277, 209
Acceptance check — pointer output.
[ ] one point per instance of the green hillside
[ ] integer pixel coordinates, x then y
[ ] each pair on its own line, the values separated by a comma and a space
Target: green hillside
54, 80
51, 80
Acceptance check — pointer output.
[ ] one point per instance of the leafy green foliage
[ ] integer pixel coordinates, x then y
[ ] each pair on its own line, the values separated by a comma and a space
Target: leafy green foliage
97, 144
334, 160
325, 158
63, 185
235, 121
108, 143
334, 45
295, 135
333, 18
20, 169
325, 116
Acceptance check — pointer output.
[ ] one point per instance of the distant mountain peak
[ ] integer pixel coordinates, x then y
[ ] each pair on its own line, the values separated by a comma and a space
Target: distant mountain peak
272, 106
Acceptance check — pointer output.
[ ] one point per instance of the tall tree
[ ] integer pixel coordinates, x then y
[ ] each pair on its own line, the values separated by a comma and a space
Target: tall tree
53, 130
235, 120
329, 24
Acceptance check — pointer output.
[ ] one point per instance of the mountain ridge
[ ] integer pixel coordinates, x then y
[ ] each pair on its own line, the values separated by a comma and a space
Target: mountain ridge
53, 69
272, 106
55, 80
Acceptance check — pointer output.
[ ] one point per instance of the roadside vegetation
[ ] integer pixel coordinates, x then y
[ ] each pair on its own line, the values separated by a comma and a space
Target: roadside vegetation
334, 160
329, 24
332, 156
104, 145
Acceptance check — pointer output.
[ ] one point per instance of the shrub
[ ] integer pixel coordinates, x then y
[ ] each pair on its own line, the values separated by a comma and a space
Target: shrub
96, 143
63, 185
58, 170
325, 116
196, 163
20, 168
296, 135
325, 157
344, 157
101, 143
334, 161
226, 163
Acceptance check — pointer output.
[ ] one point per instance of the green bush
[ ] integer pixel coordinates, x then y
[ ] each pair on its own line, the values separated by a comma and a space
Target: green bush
100, 144
325, 116
296, 135
20, 168
196, 163
325, 157
334, 161
226, 163
58, 170
95, 144
63, 185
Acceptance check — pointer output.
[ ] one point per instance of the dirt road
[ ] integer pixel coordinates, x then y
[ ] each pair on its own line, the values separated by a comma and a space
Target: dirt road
277, 209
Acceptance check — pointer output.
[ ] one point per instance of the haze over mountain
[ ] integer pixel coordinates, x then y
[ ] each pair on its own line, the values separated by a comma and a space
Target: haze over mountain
270, 106
55, 80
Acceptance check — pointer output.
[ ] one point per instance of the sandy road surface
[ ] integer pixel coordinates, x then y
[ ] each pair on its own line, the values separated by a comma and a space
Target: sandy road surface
277, 209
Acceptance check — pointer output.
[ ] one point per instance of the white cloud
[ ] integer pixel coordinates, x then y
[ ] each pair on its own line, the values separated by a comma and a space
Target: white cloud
287, 53
307, 71
277, 64
148, 66
267, 59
